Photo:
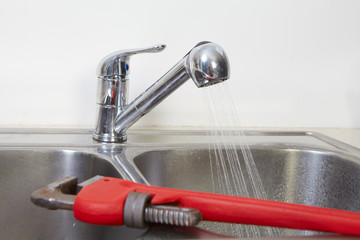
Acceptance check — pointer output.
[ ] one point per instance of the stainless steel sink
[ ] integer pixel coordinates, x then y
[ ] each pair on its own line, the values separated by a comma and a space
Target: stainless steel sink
297, 167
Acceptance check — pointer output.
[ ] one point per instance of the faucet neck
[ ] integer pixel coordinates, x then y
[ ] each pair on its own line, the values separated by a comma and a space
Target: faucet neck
154, 95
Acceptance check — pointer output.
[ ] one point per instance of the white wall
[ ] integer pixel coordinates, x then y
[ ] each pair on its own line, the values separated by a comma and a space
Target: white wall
293, 63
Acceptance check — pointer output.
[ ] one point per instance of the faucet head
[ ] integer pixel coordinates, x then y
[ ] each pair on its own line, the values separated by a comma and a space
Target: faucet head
207, 64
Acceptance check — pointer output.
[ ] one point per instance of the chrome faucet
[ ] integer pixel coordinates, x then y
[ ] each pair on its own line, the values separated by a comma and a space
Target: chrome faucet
206, 64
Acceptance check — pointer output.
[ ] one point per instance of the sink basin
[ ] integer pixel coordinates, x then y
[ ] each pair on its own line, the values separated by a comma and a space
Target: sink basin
305, 176
24, 170
298, 167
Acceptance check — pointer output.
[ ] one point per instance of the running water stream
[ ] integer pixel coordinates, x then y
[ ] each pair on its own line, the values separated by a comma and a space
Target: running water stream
233, 169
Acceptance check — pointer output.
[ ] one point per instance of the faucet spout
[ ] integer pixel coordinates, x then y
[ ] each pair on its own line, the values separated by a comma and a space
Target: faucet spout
206, 64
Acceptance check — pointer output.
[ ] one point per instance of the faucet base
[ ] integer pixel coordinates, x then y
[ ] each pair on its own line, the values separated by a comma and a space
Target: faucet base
109, 138
104, 130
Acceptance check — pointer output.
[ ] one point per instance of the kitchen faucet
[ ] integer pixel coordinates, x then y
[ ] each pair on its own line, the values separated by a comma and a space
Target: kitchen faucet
205, 64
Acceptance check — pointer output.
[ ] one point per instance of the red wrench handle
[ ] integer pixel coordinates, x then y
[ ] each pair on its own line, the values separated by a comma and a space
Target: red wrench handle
102, 203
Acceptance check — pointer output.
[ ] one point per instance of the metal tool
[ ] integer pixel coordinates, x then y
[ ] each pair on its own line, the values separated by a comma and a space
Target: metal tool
138, 211
114, 201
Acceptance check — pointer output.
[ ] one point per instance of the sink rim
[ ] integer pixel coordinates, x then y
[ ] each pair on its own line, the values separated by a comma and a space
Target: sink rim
69, 137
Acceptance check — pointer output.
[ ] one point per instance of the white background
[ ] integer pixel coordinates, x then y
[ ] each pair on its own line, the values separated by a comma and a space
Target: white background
293, 63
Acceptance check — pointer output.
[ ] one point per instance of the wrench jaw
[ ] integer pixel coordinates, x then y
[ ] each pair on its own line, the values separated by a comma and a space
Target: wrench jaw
57, 195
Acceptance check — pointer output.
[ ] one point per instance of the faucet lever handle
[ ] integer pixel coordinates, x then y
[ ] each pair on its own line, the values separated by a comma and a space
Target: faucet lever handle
117, 63
153, 49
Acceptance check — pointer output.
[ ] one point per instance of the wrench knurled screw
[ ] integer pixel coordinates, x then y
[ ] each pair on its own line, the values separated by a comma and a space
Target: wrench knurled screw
138, 212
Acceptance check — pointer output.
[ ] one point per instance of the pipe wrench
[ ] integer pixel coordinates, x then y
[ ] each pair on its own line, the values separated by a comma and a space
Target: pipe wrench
114, 201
